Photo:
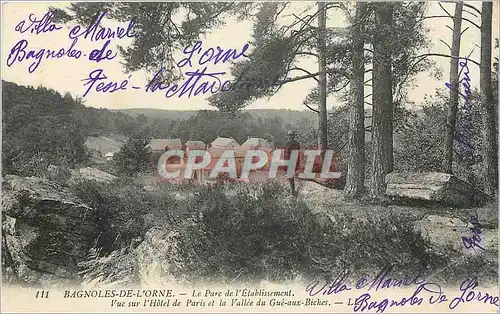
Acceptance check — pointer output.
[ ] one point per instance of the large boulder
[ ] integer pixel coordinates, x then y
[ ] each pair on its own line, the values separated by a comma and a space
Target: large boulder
432, 187
47, 230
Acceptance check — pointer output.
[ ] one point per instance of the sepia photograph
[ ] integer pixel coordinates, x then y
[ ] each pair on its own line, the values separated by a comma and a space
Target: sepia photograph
291, 157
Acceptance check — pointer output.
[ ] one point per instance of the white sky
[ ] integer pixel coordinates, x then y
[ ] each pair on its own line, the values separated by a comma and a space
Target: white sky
66, 74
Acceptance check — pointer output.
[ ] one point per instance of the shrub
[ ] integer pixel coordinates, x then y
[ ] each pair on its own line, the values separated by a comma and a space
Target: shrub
249, 235
421, 141
365, 244
244, 232
133, 158
128, 211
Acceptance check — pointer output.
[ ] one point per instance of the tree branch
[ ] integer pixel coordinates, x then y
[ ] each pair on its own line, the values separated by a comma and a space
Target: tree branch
444, 42
341, 88
473, 8
304, 70
309, 19
445, 9
298, 78
363, 19
222, 10
424, 56
451, 17
447, 56
344, 8
307, 53
280, 11
343, 146
312, 109
305, 22
283, 29
298, 20
462, 32
471, 13
465, 5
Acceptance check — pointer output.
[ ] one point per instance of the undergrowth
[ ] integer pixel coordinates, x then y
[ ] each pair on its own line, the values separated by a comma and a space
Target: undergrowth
238, 232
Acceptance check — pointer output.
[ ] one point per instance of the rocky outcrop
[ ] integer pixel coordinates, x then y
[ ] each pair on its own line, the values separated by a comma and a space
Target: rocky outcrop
145, 262
154, 256
116, 270
432, 187
47, 230
94, 174
445, 234
58, 174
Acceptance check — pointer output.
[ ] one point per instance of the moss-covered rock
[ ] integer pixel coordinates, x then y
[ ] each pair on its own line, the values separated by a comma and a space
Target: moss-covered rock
47, 230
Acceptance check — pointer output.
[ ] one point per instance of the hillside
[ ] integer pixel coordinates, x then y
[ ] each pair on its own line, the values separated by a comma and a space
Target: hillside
289, 116
60, 130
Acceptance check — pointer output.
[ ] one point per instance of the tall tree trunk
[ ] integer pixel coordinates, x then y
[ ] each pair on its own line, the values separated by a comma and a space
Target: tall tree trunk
355, 181
488, 112
322, 115
451, 118
382, 117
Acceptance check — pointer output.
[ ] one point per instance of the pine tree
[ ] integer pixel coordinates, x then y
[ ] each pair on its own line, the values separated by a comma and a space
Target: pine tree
382, 137
488, 112
355, 180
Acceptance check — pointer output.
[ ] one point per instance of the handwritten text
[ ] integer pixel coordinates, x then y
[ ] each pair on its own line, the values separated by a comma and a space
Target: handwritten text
424, 292
475, 240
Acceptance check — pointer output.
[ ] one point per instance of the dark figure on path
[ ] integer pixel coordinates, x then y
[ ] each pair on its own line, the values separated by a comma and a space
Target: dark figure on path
292, 145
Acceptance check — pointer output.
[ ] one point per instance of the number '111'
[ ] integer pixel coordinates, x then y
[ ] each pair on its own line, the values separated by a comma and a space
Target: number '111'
42, 294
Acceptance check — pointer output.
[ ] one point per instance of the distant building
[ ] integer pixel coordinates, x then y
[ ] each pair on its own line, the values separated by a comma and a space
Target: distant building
99, 146
216, 150
226, 142
199, 175
216, 154
256, 143
198, 145
162, 144
109, 156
